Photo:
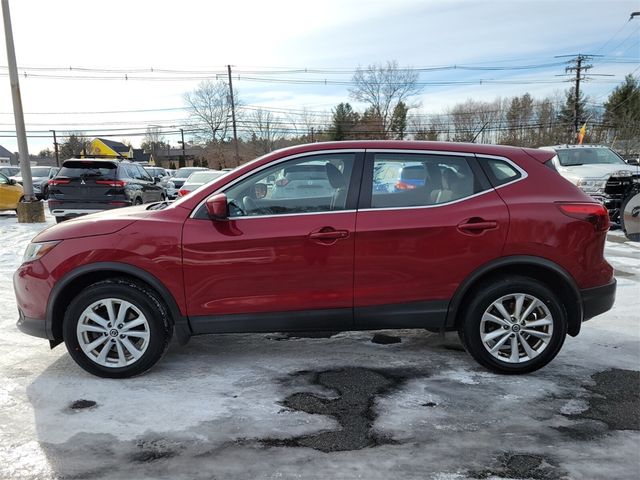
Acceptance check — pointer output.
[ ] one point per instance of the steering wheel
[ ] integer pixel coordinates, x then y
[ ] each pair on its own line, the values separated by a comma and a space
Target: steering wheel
233, 203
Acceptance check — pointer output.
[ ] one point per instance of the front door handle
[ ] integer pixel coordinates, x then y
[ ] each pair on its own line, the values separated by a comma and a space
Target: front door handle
477, 225
328, 234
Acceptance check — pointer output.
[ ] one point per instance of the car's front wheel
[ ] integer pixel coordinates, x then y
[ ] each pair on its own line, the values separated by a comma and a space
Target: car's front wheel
117, 328
513, 325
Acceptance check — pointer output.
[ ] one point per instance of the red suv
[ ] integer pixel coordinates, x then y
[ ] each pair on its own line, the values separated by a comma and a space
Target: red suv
490, 242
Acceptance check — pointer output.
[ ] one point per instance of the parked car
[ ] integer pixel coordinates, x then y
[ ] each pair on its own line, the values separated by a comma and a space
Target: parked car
630, 216
511, 266
197, 179
165, 180
85, 186
10, 193
599, 171
40, 177
10, 171
183, 173
308, 180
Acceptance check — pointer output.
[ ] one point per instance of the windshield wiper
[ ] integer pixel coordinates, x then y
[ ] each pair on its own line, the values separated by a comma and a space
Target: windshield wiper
159, 205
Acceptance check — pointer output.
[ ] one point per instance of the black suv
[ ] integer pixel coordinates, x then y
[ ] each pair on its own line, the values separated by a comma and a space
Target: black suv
87, 185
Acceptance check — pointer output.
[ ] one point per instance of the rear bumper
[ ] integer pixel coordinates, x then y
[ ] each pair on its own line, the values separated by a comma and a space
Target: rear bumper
71, 209
598, 300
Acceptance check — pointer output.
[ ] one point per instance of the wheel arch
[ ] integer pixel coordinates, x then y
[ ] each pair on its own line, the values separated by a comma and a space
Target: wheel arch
541, 269
76, 280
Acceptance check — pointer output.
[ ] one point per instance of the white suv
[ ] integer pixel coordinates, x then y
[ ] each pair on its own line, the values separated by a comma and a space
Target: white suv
598, 171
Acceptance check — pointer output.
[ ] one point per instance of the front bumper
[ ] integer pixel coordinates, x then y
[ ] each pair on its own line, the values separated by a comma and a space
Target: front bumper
33, 326
598, 300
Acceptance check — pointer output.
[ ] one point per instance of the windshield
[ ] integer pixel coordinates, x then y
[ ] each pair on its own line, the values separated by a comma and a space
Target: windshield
203, 177
587, 156
185, 172
87, 168
40, 171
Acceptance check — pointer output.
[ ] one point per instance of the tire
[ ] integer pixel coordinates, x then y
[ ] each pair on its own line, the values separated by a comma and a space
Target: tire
635, 236
550, 325
124, 352
137, 201
45, 193
61, 219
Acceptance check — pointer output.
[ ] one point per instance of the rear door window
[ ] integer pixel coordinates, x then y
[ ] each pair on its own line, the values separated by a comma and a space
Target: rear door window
415, 180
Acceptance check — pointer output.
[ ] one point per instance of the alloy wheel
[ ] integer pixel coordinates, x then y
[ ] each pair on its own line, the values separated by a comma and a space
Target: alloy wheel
516, 328
113, 332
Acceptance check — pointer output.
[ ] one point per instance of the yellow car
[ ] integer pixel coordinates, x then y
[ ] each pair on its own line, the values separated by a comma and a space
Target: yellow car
10, 193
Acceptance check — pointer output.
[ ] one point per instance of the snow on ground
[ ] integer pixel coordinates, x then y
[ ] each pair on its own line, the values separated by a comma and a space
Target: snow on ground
273, 406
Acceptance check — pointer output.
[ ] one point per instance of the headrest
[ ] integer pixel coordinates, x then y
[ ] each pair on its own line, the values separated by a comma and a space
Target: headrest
335, 176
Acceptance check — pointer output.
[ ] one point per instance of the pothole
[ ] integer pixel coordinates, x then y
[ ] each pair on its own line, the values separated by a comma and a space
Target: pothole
356, 389
613, 400
522, 466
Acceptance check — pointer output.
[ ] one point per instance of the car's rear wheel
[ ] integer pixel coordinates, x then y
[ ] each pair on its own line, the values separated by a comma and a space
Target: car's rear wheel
513, 325
117, 328
61, 219
45, 192
137, 201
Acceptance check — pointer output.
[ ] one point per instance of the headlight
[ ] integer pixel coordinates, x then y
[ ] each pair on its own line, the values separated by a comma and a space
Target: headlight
591, 184
35, 251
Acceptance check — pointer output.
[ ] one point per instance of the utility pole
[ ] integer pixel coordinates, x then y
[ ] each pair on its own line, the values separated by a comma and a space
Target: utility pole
55, 148
29, 211
579, 66
233, 116
184, 157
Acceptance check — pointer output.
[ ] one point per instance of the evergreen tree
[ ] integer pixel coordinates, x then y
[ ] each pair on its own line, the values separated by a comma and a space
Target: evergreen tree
622, 111
343, 123
566, 116
399, 120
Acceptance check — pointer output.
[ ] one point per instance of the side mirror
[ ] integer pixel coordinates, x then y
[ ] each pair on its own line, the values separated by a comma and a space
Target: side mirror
12, 181
217, 207
633, 161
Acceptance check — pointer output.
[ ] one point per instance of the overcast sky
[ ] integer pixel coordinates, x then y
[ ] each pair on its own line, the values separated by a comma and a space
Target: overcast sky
134, 35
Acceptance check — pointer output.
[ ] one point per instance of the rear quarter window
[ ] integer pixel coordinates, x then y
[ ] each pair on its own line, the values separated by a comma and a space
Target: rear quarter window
499, 172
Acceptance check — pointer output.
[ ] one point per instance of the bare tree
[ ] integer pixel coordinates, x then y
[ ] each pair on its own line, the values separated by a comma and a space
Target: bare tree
73, 145
265, 131
210, 109
383, 87
307, 124
153, 142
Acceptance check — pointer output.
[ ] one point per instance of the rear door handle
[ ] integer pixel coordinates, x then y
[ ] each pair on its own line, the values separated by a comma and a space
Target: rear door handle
477, 226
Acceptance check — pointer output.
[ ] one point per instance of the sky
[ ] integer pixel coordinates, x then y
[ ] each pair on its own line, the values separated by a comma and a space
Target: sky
262, 40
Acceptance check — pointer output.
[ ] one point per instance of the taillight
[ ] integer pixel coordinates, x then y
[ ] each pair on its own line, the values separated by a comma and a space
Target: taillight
594, 213
404, 186
112, 183
282, 182
183, 193
55, 182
